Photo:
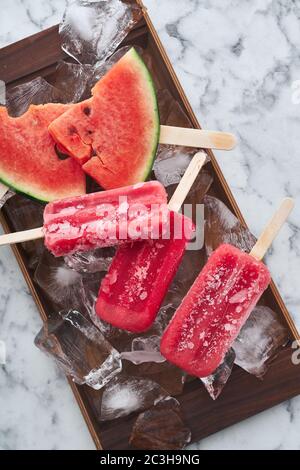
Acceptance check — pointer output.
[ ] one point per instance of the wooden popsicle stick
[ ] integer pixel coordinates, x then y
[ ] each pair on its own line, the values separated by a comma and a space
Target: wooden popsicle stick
175, 203
19, 237
3, 190
187, 181
271, 230
197, 138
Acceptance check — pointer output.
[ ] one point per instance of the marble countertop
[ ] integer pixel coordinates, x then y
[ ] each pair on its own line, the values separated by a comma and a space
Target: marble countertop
237, 61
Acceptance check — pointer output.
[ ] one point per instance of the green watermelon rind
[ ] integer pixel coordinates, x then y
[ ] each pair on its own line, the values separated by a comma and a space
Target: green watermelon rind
34, 196
31, 195
151, 85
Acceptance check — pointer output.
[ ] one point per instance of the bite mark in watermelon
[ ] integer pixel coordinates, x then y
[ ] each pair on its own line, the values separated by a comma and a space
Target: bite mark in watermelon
114, 135
29, 162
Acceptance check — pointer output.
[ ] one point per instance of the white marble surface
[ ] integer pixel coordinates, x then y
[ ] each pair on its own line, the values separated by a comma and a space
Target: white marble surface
236, 60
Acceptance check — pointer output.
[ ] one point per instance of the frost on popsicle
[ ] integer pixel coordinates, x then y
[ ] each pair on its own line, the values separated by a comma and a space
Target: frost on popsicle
79, 349
91, 31
259, 341
215, 382
161, 428
125, 395
222, 226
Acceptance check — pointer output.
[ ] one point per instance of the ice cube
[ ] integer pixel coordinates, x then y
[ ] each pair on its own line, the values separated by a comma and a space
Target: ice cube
69, 84
37, 91
170, 110
170, 164
192, 263
100, 69
161, 428
79, 349
148, 343
162, 320
144, 349
222, 226
168, 376
259, 341
87, 295
163, 373
91, 261
215, 382
73, 81
171, 161
26, 214
124, 395
121, 339
58, 282
91, 31
144, 360
66, 287
9, 193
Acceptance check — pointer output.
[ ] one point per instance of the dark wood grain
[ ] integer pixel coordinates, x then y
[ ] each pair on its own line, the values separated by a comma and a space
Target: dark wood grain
30, 55
244, 395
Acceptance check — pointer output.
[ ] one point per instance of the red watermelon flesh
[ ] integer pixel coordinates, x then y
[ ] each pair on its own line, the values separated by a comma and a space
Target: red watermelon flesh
114, 134
29, 162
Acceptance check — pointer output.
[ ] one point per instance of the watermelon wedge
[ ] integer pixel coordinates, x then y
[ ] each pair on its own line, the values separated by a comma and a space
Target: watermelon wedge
29, 157
114, 135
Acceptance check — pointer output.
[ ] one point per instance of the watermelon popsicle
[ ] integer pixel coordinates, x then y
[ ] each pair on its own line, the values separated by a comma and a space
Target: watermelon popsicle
131, 293
219, 302
101, 219
106, 218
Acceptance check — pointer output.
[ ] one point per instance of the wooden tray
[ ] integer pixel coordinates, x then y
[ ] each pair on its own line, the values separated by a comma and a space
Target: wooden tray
244, 395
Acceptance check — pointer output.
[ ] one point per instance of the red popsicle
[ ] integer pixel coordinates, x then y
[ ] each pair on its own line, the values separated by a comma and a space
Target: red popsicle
139, 276
105, 218
131, 293
211, 315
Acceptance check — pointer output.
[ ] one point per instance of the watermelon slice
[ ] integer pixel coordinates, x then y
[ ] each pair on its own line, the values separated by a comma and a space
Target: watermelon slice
29, 160
114, 135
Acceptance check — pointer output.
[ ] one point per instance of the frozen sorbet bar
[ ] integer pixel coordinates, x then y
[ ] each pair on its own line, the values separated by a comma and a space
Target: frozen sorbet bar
212, 313
105, 218
139, 276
